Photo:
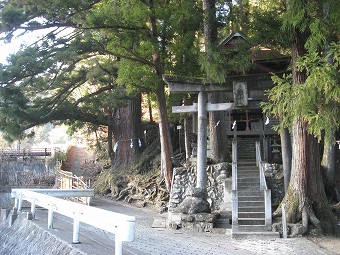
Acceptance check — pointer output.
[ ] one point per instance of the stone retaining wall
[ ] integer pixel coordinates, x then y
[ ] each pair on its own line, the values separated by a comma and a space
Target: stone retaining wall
25, 238
219, 187
275, 182
184, 182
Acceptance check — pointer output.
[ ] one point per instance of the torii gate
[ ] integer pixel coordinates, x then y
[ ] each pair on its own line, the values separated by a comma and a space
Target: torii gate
202, 107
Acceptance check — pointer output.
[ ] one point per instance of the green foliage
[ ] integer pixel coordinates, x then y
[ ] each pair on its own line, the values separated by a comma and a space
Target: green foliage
11, 17
317, 101
281, 101
107, 57
322, 91
64, 83
213, 64
266, 25
319, 18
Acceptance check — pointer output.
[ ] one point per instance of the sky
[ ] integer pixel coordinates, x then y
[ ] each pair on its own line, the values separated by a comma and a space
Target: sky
8, 48
28, 38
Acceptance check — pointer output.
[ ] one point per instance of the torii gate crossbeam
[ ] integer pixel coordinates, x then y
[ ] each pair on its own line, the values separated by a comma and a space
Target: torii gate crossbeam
202, 107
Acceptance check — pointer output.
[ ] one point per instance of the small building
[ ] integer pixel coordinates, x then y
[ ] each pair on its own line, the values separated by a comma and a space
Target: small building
246, 91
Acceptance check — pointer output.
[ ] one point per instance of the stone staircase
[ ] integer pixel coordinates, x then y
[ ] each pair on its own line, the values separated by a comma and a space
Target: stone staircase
246, 149
250, 218
251, 204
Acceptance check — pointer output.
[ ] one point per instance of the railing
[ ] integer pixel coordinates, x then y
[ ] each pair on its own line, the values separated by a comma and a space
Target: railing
33, 152
122, 226
67, 180
234, 192
263, 186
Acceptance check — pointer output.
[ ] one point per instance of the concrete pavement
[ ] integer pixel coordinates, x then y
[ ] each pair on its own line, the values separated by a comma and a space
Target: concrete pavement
161, 241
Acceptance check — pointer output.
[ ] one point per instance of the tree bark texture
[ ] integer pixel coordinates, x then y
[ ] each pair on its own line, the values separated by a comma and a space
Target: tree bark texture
166, 148
209, 23
218, 129
328, 168
187, 138
217, 120
127, 132
135, 106
328, 162
110, 144
286, 146
306, 198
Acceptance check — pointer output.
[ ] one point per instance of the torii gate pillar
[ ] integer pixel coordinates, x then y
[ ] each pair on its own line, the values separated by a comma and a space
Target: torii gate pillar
202, 107
202, 141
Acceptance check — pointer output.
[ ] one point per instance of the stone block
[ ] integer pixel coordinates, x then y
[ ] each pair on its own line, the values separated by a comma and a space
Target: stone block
296, 230
191, 205
205, 217
293, 230
203, 226
174, 218
188, 217
174, 226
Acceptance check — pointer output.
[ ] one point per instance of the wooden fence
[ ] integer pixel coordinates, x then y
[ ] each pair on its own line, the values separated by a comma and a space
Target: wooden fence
34, 152
67, 180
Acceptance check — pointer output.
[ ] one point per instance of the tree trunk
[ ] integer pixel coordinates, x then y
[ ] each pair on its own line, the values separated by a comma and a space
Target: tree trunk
209, 24
306, 198
217, 120
218, 129
150, 108
135, 106
286, 146
127, 132
166, 148
109, 144
328, 168
187, 138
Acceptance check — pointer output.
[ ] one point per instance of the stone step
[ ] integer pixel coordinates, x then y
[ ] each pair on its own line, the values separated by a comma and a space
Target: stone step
246, 153
258, 193
251, 198
250, 203
250, 185
250, 153
243, 180
247, 167
246, 162
223, 223
251, 221
251, 209
248, 175
252, 228
248, 179
247, 170
249, 234
249, 189
244, 215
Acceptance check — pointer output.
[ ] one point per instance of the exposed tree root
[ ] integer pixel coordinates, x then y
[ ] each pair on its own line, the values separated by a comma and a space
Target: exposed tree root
318, 216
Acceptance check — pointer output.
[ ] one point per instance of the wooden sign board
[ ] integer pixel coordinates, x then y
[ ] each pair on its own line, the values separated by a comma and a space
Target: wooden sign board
240, 92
